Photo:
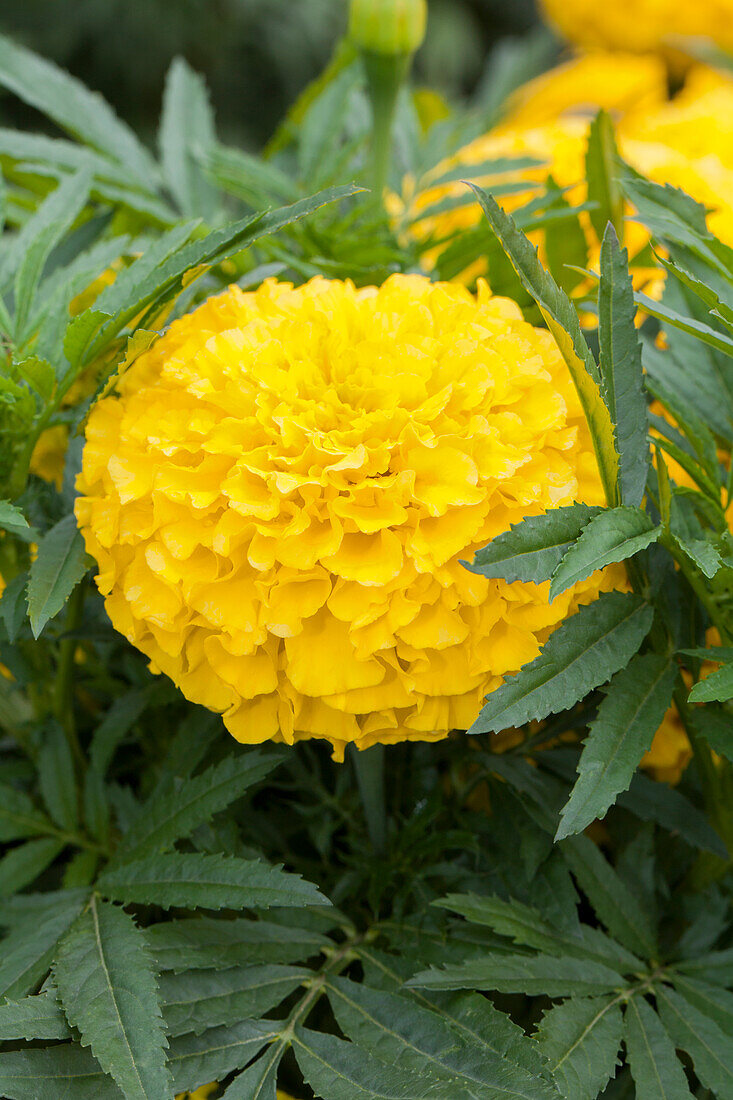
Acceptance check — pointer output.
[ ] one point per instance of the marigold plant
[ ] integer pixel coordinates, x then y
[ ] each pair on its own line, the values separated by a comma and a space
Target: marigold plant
281, 494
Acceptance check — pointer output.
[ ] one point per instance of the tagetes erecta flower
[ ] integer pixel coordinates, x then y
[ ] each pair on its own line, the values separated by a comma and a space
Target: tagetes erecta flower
205, 1092
280, 498
641, 25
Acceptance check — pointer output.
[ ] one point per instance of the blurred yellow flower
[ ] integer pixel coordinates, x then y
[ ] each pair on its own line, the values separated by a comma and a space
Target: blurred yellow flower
281, 496
687, 142
642, 25
202, 1093
670, 751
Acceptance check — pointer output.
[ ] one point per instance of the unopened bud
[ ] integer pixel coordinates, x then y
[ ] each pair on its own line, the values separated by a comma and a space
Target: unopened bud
388, 27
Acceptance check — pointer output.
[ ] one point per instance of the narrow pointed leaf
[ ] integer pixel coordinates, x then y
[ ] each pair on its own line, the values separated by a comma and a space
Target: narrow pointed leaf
207, 881
28, 949
196, 1060
631, 713
207, 943
651, 1054
710, 1048
186, 134
36, 1017
583, 653
717, 687
580, 1039
534, 975
64, 1072
532, 550
562, 320
602, 175
622, 377
58, 568
20, 866
207, 998
108, 989
611, 536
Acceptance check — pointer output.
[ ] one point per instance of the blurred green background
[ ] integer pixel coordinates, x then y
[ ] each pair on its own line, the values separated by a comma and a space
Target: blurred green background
256, 55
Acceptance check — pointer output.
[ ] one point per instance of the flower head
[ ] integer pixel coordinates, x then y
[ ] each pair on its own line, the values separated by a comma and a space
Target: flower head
280, 497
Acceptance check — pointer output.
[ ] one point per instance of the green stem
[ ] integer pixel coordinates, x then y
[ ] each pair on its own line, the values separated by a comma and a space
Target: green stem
63, 693
385, 75
369, 768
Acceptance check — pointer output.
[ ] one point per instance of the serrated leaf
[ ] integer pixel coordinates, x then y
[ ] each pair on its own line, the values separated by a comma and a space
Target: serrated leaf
615, 905
631, 713
611, 536
207, 943
601, 173
108, 991
562, 321
622, 377
35, 1017
651, 1054
74, 108
531, 550
56, 778
58, 568
64, 1072
337, 1070
583, 653
711, 1000
703, 554
715, 967
710, 1048
12, 519
258, 1081
204, 999
28, 949
712, 723
176, 814
208, 882
400, 1032
652, 801
198, 1059
534, 975
20, 866
186, 133
715, 688
580, 1040
13, 606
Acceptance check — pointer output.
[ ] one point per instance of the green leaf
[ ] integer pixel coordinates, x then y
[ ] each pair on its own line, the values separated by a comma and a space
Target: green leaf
584, 652
712, 723
615, 905
117, 721
40, 235
186, 133
715, 688
337, 1070
710, 336
562, 320
533, 975
651, 1054
107, 987
58, 568
652, 801
400, 1032
611, 536
206, 998
716, 967
602, 176
531, 550
713, 1001
74, 108
14, 608
208, 943
22, 865
199, 1059
206, 881
631, 713
28, 949
580, 1039
258, 1081
12, 519
64, 1072
19, 817
37, 1017
168, 817
56, 778
710, 1048
702, 554
622, 377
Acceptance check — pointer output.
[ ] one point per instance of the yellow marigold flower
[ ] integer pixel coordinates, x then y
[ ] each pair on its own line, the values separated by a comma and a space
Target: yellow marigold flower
202, 1093
670, 751
281, 496
641, 25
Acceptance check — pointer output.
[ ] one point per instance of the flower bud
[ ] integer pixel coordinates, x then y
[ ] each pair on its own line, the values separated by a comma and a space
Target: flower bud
388, 26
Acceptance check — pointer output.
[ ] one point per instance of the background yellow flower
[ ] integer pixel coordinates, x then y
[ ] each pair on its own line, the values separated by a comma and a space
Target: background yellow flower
641, 24
281, 496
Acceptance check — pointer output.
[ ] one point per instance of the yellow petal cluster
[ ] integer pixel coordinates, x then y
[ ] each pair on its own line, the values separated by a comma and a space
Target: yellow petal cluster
280, 497
687, 142
641, 25
670, 751
205, 1092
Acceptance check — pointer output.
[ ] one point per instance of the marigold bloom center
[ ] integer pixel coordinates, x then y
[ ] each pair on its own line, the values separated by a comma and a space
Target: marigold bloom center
280, 496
